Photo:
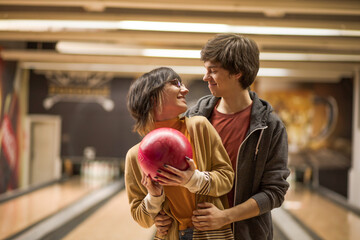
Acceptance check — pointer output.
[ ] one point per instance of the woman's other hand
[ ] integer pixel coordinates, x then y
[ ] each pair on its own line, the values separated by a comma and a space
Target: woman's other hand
154, 188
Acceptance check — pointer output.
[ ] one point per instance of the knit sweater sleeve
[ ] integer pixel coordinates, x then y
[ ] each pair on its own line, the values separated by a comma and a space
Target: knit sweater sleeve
212, 159
199, 182
143, 208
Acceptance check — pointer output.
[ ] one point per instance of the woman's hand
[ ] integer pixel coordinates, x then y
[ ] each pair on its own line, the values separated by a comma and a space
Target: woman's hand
170, 176
154, 188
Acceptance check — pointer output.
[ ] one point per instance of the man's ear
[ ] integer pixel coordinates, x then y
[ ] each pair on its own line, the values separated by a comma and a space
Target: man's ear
238, 75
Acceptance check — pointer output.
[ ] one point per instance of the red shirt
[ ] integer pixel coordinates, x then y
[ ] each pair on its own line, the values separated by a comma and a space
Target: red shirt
232, 129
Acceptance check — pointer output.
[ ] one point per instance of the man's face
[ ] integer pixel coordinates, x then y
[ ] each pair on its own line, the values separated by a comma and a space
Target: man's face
220, 82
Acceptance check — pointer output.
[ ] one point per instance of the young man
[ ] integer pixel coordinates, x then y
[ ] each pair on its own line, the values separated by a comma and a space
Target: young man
254, 137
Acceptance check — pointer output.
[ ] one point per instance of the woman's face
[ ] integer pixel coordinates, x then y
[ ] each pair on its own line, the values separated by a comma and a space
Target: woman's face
173, 101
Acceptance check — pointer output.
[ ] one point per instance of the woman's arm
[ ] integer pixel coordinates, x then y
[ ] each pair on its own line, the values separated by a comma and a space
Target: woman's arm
144, 207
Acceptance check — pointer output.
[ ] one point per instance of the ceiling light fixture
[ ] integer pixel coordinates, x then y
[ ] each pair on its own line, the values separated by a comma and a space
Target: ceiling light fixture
278, 73
61, 25
224, 28
120, 50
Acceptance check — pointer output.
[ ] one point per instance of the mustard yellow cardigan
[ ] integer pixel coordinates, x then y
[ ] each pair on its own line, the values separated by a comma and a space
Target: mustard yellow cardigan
212, 159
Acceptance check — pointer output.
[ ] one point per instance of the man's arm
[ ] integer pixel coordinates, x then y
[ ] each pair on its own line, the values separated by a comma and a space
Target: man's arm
209, 217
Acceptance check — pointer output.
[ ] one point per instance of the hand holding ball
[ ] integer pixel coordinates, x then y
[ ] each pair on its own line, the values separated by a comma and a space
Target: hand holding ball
163, 146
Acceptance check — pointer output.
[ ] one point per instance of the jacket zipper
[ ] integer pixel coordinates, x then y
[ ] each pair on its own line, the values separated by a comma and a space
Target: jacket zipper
237, 158
258, 143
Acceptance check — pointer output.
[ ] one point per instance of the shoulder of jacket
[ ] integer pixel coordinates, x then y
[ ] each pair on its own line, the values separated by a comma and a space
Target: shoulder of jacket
198, 120
200, 106
133, 150
274, 124
200, 125
274, 119
206, 98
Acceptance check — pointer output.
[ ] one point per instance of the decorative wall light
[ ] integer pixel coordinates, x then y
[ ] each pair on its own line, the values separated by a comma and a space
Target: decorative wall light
85, 87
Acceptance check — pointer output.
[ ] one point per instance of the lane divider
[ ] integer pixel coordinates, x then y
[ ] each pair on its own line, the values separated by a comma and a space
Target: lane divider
54, 222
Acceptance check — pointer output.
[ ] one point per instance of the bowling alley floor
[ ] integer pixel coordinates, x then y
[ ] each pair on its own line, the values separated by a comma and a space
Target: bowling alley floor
21, 212
76, 210
322, 213
71, 209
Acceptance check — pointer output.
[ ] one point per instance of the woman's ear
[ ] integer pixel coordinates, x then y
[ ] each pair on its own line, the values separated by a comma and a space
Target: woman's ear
156, 105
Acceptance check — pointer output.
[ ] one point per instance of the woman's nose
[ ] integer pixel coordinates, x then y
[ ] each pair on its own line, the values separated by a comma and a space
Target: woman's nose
184, 90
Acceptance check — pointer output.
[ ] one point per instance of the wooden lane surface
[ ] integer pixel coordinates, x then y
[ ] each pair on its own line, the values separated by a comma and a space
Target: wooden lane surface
23, 211
111, 222
325, 218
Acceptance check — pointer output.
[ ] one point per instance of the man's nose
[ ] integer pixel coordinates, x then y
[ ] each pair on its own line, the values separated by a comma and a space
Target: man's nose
206, 77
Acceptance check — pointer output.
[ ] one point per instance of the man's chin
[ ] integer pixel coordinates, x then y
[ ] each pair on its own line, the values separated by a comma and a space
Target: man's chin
214, 93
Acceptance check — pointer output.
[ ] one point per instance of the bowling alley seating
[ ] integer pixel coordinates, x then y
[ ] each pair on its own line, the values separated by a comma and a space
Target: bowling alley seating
325, 168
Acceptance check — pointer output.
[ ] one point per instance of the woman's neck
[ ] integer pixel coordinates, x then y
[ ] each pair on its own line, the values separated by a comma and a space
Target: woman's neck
172, 123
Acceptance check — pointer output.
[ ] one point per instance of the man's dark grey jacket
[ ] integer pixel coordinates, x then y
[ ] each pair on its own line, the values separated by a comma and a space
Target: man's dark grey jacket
261, 168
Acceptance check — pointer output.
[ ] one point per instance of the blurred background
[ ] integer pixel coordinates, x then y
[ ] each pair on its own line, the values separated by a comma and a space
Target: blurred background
65, 69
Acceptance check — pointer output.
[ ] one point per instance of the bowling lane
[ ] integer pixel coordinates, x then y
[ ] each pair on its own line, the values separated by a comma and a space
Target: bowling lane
325, 218
112, 221
26, 210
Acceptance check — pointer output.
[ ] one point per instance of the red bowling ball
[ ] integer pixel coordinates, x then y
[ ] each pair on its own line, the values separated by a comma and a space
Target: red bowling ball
163, 146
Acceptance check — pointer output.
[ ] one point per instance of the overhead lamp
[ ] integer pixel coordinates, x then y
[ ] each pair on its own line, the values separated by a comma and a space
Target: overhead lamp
130, 68
278, 73
173, 53
311, 57
121, 50
97, 49
174, 26
113, 49
224, 28
55, 25
60, 25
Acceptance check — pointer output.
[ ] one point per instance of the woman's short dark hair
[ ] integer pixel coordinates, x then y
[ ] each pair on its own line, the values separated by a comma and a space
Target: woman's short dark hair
236, 54
144, 94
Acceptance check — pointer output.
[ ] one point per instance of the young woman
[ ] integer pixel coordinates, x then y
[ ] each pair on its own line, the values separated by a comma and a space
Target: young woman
156, 100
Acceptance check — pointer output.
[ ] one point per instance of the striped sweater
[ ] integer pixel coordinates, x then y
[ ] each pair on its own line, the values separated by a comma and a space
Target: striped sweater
212, 161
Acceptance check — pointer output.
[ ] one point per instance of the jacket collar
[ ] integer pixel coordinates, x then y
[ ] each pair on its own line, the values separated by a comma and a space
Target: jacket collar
259, 113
